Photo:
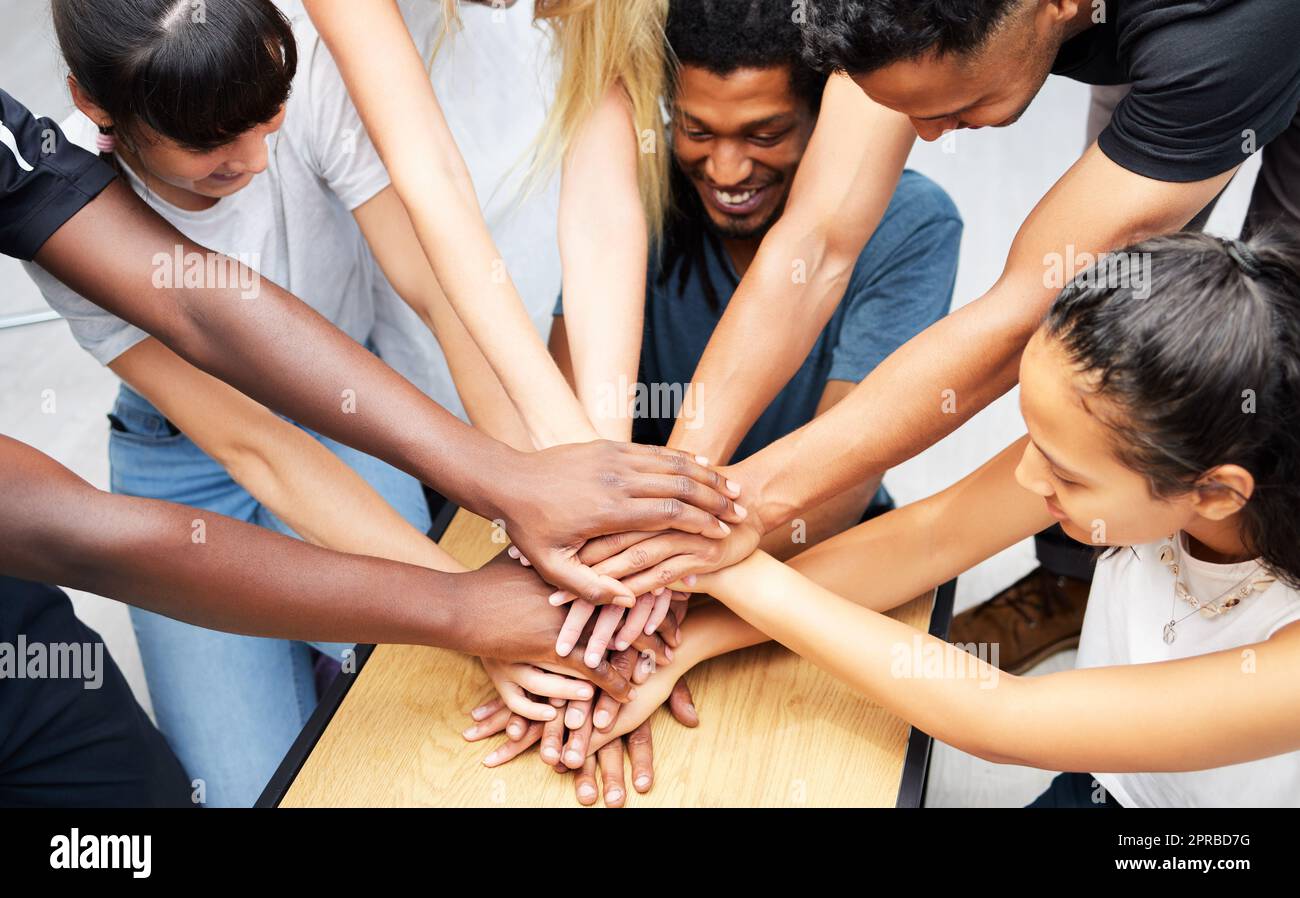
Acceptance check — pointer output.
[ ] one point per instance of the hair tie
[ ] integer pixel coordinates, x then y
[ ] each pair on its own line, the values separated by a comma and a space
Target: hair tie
1245, 257
106, 140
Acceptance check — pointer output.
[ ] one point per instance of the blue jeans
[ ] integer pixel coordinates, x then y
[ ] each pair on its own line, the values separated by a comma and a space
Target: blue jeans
230, 706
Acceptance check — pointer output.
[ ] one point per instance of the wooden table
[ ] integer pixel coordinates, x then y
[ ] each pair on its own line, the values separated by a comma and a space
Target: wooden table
774, 731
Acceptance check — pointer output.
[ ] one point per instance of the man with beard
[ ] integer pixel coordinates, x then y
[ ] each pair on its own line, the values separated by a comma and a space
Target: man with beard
744, 109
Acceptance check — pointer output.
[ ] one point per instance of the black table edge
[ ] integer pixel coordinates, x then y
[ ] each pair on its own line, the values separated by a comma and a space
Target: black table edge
916, 764
911, 789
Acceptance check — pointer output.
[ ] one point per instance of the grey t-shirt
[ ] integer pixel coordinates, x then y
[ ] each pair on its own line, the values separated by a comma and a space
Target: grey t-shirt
292, 223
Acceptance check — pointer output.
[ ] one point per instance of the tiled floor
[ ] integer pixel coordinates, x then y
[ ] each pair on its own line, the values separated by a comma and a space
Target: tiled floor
995, 177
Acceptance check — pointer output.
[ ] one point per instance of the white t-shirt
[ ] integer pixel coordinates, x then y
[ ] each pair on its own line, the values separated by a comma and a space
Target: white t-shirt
294, 219
1127, 610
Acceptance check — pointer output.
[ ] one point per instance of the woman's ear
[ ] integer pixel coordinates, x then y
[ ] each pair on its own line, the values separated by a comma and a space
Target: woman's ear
87, 106
1222, 492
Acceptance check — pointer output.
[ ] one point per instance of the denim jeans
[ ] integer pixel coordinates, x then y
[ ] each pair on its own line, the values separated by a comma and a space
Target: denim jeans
230, 706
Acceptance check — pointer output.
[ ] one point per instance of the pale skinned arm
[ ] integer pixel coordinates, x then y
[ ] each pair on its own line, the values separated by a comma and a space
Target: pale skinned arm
603, 248
1175, 715
845, 182
389, 83
392, 239
305, 484
903, 406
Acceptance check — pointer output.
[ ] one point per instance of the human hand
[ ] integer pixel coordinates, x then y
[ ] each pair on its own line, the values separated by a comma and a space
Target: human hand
525, 688
650, 615
652, 562
568, 494
505, 615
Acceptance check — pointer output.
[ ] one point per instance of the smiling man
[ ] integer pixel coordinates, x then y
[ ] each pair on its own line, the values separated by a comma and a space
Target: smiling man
744, 110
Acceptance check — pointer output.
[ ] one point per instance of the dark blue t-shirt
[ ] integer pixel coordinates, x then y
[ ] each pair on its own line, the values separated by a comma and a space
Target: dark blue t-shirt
902, 283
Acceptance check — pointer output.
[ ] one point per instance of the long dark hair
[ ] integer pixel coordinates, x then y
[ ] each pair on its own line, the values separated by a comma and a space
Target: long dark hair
1201, 361
200, 74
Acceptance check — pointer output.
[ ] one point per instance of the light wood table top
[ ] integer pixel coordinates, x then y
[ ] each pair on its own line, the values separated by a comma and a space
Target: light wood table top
774, 731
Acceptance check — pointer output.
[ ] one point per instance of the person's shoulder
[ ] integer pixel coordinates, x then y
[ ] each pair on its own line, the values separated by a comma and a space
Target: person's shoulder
925, 200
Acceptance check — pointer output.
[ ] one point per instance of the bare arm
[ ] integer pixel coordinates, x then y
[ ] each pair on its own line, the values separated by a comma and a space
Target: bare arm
277, 350
845, 182
305, 484
1142, 717
239, 578
390, 85
942, 377
392, 239
603, 248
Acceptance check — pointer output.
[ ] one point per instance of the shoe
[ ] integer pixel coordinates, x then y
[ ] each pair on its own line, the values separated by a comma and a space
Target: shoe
1031, 620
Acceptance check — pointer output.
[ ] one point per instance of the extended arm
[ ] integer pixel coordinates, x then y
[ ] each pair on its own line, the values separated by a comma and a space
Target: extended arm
305, 484
1174, 715
959, 365
845, 181
390, 85
223, 574
277, 350
603, 247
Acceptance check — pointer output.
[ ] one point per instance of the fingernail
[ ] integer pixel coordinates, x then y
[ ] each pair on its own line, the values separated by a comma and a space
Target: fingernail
601, 720
493, 758
573, 719
631, 694
479, 712
563, 648
573, 759
733, 486
689, 580
740, 509
593, 660
668, 652
585, 693
620, 645
700, 459
643, 782
556, 597
725, 529
614, 795
586, 792
515, 733
550, 711
658, 591
550, 756
469, 734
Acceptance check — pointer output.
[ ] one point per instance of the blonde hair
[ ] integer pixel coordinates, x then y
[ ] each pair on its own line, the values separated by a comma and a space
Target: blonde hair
602, 43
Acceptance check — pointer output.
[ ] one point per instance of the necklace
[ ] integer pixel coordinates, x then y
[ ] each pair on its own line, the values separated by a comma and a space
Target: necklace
1171, 556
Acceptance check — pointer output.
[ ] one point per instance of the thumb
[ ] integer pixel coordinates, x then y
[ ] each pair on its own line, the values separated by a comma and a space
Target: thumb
564, 570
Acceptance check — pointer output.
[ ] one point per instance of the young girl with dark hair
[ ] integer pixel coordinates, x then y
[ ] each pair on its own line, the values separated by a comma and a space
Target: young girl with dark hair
1162, 399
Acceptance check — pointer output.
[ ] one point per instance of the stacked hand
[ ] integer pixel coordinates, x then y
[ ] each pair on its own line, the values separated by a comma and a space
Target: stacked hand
574, 709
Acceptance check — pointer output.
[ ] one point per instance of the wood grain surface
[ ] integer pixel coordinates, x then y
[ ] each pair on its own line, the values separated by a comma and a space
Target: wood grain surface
774, 731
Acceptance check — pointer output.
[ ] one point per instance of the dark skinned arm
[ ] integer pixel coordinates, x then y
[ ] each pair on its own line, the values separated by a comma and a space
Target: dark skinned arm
240, 578
277, 350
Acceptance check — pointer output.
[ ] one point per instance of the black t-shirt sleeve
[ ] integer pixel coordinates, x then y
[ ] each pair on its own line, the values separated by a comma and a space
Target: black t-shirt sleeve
44, 179
1208, 90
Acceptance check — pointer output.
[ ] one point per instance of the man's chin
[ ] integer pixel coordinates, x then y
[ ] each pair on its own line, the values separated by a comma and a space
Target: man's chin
750, 227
